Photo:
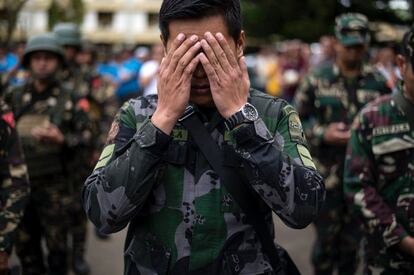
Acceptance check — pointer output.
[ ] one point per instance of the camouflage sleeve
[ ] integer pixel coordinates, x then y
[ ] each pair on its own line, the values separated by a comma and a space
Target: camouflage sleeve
14, 186
126, 172
280, 168
305, 104
360, 186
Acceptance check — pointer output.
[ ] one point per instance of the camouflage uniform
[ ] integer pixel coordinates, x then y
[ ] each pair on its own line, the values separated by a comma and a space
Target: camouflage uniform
47, 209
97, 92
326, 97
14, 184
379, 177
181, 217
68, 34
379, 181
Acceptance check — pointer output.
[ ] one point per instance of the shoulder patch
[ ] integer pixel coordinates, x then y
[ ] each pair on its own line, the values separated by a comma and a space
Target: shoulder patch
105, 156
84, 105
9, 119
288, 109
295, 128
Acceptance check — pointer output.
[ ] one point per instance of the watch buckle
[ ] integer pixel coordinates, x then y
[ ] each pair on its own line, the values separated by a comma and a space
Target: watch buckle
189, 111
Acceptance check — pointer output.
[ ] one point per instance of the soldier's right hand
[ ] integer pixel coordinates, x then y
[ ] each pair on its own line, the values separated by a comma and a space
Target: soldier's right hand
174, 81
337, 133
4, 263
407, 245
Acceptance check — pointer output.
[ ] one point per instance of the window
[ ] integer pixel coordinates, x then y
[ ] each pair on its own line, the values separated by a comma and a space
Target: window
105, 19
153, 20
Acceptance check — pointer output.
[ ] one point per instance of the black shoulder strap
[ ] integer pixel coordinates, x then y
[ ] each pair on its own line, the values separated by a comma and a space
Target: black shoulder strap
406, 106
234, 183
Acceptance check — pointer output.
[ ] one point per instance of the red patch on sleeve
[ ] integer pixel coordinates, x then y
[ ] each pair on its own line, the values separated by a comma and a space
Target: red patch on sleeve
84, 105
96, 83
9, 118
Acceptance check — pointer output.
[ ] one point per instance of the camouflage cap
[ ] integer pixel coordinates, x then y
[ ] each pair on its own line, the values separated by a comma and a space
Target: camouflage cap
352, 29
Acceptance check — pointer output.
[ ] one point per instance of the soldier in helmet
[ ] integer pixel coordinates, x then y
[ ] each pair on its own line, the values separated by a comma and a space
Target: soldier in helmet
327, 101
51, 124
78, 78
14, 187
379, 173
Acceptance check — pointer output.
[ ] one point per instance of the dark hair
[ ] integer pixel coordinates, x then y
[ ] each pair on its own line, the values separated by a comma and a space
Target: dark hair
407, 45
196, 9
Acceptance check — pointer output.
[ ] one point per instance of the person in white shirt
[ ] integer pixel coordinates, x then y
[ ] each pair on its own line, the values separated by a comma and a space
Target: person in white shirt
148, 72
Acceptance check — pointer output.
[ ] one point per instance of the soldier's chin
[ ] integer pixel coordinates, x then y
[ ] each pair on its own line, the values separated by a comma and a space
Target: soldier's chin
205, 99
353, 65
43, 76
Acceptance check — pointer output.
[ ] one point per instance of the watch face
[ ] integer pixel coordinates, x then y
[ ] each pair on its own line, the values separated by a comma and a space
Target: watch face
250, 112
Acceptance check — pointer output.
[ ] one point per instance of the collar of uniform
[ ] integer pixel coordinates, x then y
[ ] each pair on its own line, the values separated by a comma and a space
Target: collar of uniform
52, 88
213, 119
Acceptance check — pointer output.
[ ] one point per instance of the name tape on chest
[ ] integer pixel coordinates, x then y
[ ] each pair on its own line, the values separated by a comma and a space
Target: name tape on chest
391, 129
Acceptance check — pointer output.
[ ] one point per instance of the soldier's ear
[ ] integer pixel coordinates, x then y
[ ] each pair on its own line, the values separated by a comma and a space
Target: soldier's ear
401, 63
164, 43
241, 43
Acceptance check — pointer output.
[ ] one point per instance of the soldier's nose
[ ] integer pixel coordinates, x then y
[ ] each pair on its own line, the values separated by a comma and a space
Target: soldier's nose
199, 71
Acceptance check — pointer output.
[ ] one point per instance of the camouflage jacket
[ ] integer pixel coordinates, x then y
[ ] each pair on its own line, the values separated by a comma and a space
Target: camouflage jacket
379, 179
181, 218
14, 185
325, 97
56, 105
99, 92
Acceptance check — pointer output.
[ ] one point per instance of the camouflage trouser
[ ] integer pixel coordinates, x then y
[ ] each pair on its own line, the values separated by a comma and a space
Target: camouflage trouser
45, 217
338, 237
78, 220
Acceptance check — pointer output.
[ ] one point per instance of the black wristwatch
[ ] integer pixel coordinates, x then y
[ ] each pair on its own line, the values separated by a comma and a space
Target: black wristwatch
248, 113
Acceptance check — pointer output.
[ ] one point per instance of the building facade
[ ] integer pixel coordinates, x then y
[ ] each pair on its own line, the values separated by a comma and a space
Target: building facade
104, 21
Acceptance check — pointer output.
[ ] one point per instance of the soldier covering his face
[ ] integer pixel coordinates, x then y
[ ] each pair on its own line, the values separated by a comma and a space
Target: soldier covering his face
153, 175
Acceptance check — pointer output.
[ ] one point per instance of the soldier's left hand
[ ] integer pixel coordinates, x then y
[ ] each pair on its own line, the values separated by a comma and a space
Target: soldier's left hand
50, 134
228, 77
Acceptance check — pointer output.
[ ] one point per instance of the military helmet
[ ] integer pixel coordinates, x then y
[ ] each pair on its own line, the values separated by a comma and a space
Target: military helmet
352, 29
68, 34
44, 42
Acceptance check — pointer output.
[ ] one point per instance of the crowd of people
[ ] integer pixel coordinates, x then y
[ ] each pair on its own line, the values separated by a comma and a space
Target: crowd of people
341, 145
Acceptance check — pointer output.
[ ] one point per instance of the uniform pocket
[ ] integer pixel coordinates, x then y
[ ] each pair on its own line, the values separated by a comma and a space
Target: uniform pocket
392, 157
246, 262
148, 256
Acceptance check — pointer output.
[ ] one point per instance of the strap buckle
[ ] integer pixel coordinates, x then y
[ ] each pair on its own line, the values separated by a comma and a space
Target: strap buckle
189, 111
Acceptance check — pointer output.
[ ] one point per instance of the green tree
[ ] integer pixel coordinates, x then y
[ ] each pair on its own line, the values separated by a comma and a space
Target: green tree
309, 19
66, 11
9, 10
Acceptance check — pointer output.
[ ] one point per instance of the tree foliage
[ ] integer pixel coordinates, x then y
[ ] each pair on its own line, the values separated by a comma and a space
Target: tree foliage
9, 10
309, 19
66, 11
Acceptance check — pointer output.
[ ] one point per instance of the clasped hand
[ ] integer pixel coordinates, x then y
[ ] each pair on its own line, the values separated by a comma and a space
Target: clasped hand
227, 76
